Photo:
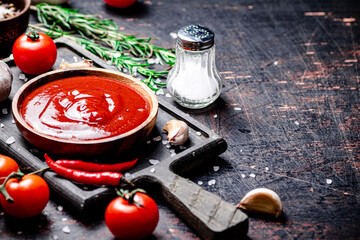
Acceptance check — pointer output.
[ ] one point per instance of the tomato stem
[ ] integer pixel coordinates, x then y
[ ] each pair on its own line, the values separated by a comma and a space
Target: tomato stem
33, 35
129, 196
17, 175
40, 170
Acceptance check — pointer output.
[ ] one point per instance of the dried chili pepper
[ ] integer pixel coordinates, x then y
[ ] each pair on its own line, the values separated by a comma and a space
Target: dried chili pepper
91, 178
96, 167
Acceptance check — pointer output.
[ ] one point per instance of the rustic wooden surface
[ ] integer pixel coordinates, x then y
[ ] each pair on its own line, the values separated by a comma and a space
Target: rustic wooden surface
289, 113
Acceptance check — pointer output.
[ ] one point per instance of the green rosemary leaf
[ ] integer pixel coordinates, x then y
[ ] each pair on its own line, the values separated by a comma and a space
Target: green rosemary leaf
102, 38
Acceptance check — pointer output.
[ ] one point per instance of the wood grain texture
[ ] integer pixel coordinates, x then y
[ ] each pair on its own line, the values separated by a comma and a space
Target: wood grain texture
289, 112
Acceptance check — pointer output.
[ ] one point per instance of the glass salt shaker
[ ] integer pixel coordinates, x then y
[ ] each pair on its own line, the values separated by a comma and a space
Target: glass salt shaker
194, 81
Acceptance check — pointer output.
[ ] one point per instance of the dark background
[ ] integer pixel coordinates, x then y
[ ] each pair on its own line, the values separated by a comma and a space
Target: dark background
289, 112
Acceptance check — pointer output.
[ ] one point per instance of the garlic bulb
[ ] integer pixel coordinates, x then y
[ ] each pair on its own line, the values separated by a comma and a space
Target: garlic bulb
6, 78
83, 64
262, 200
178, 132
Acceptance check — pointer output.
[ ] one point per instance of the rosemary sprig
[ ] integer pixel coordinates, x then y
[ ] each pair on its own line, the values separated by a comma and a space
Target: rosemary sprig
125, 51
103, 30
121, 60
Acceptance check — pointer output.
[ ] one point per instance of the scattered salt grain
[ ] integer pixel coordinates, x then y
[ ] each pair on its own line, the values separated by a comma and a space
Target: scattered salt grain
55, 237
151, 61
2, 125
22, 76
64, 219
216, 168
60, 208
243, 175
237, 108
75, 58
328, 181
160, 92
117, 55
172, 152
276, 63
135, 74
10, 140
198, 133
13, 121
66, 229
215, 116
168, 95
173, 35
297, 123
212, 182
154, 161
200, 182
148, 141
266, 169
4, 111
252, 175
157, 139
152, 170
164, 142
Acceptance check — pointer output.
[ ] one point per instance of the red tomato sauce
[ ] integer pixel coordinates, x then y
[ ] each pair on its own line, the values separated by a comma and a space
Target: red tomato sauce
84, 108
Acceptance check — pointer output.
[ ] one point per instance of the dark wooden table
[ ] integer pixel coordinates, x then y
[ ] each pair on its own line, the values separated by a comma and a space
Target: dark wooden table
289, 112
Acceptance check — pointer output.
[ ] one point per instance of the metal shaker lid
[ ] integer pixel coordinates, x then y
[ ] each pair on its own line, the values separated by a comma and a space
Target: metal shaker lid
195, 37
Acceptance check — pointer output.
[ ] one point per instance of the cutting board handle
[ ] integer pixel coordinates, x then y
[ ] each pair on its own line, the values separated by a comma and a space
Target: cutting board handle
206, 213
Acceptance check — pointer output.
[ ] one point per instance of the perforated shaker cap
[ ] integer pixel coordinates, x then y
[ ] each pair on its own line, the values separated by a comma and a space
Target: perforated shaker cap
195, 37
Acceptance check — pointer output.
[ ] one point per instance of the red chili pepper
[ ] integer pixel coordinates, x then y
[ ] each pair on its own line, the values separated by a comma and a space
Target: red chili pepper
95, 167
92, 178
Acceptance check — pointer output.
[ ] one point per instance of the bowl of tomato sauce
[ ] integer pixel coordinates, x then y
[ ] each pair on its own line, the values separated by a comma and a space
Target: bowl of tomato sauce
84, 112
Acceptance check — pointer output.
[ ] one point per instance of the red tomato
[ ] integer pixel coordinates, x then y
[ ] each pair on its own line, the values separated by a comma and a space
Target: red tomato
30, 195
126, 220
120, 3
7, 166
34, 55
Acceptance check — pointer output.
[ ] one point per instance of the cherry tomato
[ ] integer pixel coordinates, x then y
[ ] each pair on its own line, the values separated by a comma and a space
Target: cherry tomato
7, 166
120, 3
30, 195
34, 53
127, 220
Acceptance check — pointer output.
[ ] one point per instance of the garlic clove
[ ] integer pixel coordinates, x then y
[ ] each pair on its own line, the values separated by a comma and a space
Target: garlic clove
83, 64
178, 132
262, 200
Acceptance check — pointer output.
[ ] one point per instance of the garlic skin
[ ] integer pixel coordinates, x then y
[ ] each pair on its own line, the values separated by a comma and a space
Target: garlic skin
83, 64
262, 200
6, 78
178, 132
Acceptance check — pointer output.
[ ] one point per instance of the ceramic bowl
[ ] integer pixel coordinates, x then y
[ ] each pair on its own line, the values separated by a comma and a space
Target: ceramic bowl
11, 28
87, 148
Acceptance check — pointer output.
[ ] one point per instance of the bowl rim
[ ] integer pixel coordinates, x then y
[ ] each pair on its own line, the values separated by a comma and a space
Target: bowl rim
20, 120
23, 11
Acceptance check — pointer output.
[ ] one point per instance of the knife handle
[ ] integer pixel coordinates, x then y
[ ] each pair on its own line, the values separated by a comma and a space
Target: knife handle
206, 213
